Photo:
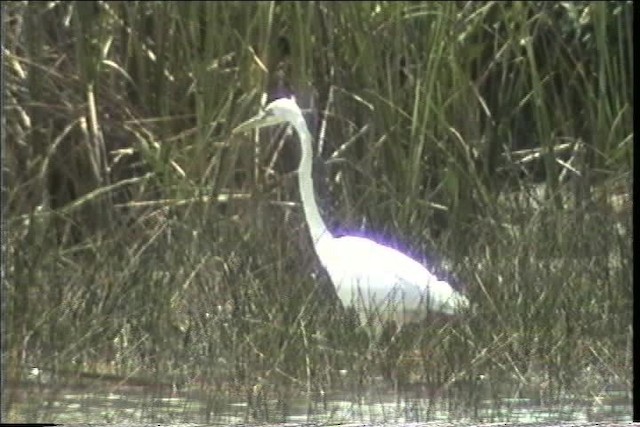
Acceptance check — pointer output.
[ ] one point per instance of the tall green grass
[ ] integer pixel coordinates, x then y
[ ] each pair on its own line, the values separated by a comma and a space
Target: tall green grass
142, 240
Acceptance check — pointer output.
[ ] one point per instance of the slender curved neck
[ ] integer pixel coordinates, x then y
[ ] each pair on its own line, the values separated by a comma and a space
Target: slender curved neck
317, 227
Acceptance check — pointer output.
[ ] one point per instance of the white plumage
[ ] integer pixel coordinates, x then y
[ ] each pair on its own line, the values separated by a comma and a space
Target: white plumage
367, 275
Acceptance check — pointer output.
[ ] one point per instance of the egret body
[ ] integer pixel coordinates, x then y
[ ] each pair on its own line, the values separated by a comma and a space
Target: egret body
373, 278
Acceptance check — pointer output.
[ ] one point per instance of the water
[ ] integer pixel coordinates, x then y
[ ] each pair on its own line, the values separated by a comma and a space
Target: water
101, 401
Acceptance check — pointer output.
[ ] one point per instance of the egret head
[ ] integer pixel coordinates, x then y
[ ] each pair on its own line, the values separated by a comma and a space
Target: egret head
279, 111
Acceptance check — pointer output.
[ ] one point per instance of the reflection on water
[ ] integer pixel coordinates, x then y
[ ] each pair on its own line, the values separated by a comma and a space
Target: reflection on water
99, 402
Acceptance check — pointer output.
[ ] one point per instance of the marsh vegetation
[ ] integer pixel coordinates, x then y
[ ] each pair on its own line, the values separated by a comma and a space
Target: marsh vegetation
491, 140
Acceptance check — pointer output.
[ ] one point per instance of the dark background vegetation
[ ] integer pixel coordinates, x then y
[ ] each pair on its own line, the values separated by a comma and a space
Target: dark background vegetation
491, 140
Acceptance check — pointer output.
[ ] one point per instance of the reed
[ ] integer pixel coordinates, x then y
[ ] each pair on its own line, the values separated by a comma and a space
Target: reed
493, 139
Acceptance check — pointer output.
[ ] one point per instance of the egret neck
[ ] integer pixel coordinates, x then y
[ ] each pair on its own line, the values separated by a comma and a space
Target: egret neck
317, 227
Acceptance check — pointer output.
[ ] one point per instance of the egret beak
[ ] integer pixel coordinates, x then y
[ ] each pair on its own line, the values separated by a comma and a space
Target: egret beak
262, 119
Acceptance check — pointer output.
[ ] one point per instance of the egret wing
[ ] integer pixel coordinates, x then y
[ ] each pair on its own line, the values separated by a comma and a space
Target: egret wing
360, 267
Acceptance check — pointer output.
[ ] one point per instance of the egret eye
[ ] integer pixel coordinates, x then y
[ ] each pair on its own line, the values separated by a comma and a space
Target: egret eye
265, 113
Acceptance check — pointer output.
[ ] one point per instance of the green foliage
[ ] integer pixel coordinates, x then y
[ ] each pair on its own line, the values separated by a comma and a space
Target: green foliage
144, 240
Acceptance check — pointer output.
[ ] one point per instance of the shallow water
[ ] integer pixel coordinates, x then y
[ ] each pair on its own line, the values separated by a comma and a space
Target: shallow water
100, 402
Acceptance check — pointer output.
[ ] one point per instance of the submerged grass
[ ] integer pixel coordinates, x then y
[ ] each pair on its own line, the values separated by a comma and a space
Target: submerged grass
492, 139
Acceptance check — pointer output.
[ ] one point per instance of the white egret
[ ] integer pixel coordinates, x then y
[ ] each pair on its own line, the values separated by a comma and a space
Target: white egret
367, 275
